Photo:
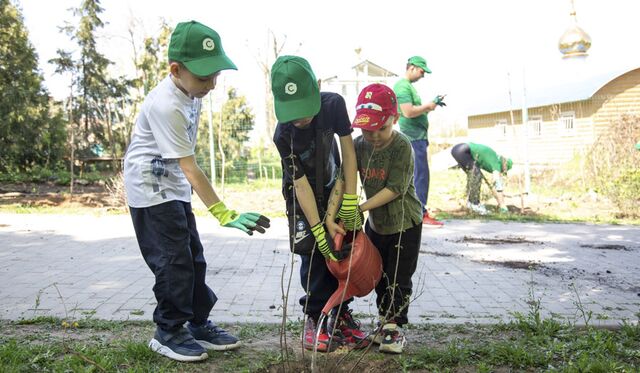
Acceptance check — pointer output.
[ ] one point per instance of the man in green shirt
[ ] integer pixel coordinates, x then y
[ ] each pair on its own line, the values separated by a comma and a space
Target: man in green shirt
472, 158
415, 124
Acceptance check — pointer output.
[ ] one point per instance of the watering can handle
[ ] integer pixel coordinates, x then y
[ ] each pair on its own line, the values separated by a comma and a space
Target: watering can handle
339, 237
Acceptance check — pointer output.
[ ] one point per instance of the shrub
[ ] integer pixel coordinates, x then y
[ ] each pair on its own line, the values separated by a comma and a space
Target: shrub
612, 165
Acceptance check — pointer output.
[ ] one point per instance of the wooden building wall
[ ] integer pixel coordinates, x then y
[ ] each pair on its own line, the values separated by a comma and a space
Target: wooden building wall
553, 144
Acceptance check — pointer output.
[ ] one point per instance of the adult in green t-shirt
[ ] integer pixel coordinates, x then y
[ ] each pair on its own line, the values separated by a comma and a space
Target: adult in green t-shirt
415, 124
472, 158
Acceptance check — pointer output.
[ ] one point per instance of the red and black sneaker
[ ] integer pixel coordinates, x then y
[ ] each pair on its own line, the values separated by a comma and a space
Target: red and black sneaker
347, 326
325, 341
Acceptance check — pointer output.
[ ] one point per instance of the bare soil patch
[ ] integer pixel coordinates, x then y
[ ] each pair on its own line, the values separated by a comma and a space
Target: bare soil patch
498, 240
52, 195
606, 247
514, 264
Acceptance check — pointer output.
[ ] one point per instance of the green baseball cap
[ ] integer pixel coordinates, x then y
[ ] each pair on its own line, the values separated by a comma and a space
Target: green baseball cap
638, 145
507, 162
295, 89
199, 48
420, 62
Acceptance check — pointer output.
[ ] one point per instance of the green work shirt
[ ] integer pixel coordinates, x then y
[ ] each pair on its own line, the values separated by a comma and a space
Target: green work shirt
485, 157
391, 168
415, 128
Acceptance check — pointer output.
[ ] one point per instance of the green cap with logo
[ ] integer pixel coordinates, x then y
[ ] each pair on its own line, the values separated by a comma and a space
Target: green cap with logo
199, 48
508, 162
295, 89
419, 62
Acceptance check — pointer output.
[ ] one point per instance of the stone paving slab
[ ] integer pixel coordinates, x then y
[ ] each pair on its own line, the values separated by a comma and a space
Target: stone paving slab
468, 271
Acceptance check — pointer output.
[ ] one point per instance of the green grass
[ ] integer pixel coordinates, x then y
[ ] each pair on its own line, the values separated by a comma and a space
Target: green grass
528, 343
566, 349
547, 203
65, 210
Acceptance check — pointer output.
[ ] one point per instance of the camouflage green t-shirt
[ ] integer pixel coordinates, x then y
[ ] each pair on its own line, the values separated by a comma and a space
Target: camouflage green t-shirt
391, 168
415, 128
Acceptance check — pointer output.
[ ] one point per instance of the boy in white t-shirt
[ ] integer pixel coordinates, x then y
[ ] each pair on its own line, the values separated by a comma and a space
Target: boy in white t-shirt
160, 171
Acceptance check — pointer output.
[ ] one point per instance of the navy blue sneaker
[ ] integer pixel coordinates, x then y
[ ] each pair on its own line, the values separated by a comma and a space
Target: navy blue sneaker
177, 345
212, 337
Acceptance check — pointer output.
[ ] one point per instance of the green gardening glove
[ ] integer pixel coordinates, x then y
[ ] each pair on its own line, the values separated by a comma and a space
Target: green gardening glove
246, 222
325, 244
350, 213
439, 100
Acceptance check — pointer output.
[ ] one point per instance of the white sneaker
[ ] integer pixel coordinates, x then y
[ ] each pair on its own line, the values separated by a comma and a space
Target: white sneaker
477, 208
393, 340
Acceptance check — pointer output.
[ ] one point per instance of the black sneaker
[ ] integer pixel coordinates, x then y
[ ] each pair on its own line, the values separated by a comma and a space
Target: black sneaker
212, 337
177, 345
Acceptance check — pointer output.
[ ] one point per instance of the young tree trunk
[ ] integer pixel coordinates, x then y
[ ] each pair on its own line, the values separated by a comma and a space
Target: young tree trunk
72, 145
223, 158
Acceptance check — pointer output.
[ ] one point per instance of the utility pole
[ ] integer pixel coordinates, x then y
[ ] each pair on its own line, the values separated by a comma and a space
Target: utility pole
525, 127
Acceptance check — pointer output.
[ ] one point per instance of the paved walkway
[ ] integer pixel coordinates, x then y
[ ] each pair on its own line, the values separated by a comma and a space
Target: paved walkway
468, 271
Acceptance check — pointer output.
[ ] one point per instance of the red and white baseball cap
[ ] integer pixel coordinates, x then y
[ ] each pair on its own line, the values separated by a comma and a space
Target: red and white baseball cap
376, 103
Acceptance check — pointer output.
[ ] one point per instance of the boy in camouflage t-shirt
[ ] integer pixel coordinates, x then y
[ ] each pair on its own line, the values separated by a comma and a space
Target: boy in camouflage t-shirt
385, 162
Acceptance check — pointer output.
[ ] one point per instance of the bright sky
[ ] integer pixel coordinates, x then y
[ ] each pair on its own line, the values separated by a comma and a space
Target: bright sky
470, 45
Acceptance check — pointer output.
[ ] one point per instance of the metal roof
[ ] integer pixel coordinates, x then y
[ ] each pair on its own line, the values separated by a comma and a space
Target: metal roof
575, 87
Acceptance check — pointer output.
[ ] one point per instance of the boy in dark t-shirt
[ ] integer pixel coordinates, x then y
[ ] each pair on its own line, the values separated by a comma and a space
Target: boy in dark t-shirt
304, 136
385, 161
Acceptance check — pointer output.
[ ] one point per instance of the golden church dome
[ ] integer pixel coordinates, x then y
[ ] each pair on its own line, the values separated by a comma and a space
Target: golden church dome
575, 41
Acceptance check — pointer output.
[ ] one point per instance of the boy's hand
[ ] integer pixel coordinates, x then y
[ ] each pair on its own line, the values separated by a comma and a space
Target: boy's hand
325, 244
350, 213
246, 222
333, 228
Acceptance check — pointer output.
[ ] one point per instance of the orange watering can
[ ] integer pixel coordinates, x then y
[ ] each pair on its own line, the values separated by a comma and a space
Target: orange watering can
359, 273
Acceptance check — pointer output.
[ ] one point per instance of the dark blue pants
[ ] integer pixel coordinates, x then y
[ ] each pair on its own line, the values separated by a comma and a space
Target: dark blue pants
170, 245
395, 287
321, 284
421, 171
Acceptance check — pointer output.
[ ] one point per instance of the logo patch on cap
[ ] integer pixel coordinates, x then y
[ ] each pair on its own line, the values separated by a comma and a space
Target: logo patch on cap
208, 44
368, 95
291, 88
362, 119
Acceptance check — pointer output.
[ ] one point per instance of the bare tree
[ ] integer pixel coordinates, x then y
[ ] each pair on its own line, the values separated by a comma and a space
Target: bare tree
265, 57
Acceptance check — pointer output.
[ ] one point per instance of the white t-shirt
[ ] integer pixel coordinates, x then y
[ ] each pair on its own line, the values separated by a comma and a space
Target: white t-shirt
165, 131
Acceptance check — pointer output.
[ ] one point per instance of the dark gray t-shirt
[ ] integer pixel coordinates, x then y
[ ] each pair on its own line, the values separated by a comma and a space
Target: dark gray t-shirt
391, 168
297, 147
